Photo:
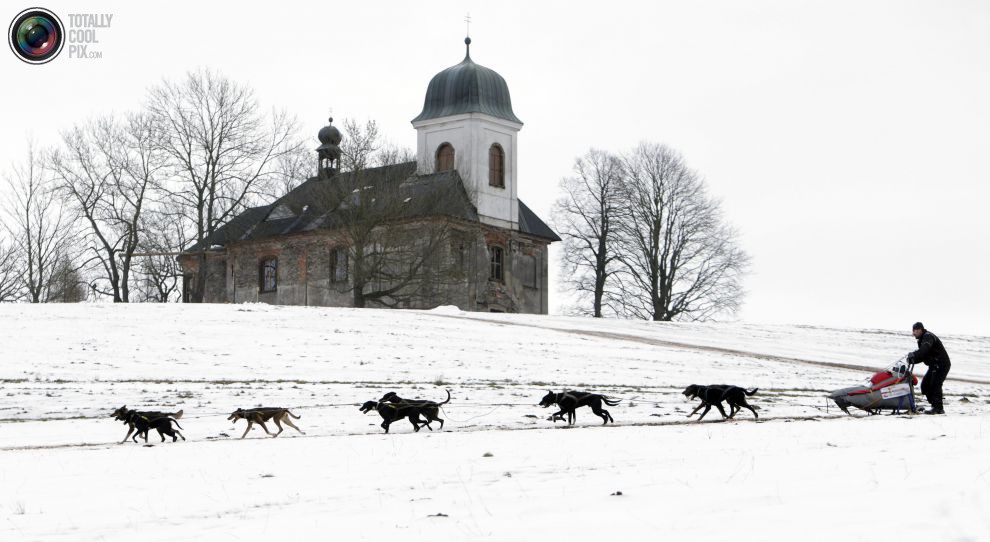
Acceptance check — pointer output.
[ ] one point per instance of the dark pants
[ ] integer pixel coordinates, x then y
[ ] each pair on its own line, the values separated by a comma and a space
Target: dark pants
931, 385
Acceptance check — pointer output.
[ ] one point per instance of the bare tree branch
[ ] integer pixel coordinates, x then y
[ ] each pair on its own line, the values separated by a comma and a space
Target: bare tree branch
224, 152
42, 230
679, 260
585, 216
396, 244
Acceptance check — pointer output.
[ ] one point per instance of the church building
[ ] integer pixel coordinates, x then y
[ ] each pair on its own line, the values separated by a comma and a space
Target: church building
468, 239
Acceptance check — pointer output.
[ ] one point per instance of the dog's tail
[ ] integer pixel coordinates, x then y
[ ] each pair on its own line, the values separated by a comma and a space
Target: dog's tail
176, 415
752, 391
448, 399
291, 414
176, 422
610, 401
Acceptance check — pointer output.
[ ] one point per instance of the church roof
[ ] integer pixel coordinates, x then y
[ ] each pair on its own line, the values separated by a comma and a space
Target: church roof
309, 206
467, 88
533, 225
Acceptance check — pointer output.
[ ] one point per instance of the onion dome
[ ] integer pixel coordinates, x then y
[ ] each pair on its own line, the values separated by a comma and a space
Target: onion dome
467, 88
329, 134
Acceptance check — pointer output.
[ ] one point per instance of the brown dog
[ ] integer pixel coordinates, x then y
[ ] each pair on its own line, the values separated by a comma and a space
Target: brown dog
262, 415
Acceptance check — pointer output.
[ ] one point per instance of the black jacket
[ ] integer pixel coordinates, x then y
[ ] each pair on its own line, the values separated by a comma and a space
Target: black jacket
930, 350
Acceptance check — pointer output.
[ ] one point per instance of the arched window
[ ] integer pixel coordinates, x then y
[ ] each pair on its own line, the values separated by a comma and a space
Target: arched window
445, 157
496, 166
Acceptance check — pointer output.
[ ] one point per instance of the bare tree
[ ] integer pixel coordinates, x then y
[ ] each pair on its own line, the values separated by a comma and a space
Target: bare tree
11, 285
680, 260
586, 217
223, 149
43, 231
291, 169
106, 168
67, 284
397, 229
158, 273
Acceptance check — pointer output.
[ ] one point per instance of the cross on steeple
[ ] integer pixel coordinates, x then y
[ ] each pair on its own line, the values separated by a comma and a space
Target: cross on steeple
467, 19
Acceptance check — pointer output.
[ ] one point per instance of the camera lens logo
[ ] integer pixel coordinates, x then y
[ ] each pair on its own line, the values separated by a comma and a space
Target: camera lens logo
36, 36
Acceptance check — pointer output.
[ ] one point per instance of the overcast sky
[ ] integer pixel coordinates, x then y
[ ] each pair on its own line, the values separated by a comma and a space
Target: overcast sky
848, 141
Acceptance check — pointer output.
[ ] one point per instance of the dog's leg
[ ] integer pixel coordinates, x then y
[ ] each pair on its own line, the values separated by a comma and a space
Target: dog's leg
721, 410
753, 410
292, 425
385, 425
434, 416
265, 427
695, 411
601, 413
250, 423
129, 431
279, 425
707, 408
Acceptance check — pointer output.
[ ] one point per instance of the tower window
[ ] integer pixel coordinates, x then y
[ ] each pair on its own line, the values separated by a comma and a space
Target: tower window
496, 166
268, 275
497, 261
445, 157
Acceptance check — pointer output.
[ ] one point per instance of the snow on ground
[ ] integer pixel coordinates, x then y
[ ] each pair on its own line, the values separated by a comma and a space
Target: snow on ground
499, 470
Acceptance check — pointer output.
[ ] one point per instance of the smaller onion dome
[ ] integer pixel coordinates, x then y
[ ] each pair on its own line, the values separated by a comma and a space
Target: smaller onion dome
329, 134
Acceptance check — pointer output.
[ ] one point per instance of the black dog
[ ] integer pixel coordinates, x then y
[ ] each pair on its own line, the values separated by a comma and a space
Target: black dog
714, 395
143, 422
126, 415
391, 413
569, 401
736, 397
429, 409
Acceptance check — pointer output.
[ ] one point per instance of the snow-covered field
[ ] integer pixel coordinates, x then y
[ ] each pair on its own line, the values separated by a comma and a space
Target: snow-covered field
499, 470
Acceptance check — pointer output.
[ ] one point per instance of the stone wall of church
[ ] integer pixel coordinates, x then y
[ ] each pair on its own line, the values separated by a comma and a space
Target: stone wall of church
215, 276
303, 271
523, 287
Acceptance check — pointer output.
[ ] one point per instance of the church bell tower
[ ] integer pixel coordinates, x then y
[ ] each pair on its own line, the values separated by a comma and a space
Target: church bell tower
467, 125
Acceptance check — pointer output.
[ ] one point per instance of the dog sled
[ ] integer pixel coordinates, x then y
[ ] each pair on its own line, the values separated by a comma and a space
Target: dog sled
890, 389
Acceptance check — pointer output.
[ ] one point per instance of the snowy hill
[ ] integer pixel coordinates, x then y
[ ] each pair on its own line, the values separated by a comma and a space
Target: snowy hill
64, 477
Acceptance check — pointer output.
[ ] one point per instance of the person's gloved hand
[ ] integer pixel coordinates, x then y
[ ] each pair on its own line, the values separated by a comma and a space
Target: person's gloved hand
910, 357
